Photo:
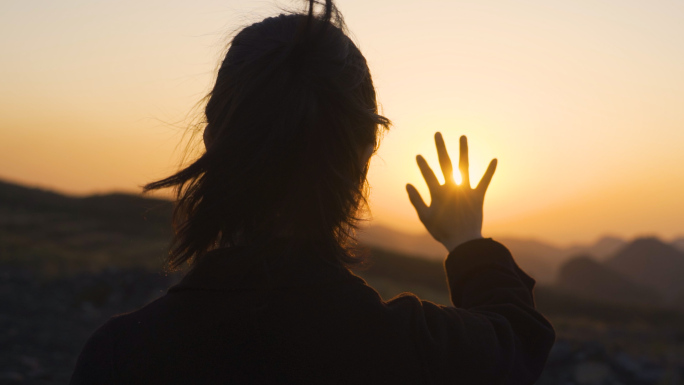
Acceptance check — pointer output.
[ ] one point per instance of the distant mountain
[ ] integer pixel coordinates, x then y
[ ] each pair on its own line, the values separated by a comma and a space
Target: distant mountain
604, 248
679, 243
413, 244
126, 213
539, 259
17, 196
35, 221
529, 253
652, 263
60, 234
406, 268
584, 276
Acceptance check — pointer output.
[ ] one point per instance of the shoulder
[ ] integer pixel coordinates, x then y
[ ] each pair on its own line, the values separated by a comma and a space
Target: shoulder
96, 362
419, 313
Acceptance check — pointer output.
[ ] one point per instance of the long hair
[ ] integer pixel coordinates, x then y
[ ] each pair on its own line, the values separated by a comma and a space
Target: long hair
287, 121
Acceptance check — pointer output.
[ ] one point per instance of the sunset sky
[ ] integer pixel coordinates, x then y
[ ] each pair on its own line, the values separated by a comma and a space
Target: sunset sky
582, 102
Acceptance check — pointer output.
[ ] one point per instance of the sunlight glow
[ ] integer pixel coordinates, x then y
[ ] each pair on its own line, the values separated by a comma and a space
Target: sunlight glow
519, 79
457, 177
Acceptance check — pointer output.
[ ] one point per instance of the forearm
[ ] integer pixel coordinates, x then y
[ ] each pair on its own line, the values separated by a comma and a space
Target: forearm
485, 281
478, 267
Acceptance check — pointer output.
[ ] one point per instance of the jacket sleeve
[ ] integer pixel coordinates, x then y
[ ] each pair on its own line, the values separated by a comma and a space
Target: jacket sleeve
95, 363
492, 334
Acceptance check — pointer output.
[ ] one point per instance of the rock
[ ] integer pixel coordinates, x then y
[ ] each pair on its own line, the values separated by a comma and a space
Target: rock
592, 373
641, 371
561, 352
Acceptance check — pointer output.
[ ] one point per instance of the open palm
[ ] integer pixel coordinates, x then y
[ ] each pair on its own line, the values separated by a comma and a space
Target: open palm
455, 212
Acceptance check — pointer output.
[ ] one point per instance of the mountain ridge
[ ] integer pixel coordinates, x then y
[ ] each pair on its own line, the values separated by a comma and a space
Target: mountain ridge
653, 263
139, 216
589, 278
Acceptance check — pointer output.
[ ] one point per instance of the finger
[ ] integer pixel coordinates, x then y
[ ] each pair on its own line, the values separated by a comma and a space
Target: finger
429, 176
487, 177
416, 201
463, 161
444, 160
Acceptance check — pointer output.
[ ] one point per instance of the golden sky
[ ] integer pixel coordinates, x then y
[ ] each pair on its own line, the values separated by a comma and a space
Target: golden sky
582, 102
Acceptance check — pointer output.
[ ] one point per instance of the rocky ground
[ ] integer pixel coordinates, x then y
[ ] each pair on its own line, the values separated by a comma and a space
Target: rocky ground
589, 362
44, 323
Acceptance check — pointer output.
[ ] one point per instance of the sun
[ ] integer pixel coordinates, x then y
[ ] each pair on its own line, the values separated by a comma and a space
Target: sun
457, 177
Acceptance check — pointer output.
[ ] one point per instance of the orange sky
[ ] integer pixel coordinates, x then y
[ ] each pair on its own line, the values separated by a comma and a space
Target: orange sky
581, 102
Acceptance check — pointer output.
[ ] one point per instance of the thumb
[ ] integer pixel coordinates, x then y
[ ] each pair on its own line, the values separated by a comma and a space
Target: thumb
416, 201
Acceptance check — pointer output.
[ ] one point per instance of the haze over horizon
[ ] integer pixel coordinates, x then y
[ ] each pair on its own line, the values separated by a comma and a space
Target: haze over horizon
579, 101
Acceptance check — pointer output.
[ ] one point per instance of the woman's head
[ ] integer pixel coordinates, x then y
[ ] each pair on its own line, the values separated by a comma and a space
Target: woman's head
288, 122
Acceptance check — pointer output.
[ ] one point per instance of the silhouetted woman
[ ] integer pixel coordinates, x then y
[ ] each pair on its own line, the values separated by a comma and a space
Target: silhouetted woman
265, 216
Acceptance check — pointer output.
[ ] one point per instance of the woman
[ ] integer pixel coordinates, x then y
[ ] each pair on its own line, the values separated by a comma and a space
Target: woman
265, 218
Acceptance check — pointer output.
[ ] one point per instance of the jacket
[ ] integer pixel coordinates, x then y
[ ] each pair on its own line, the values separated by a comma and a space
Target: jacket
293, 318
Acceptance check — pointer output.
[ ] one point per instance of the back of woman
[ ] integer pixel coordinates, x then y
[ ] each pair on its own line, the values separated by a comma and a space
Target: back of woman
265, 218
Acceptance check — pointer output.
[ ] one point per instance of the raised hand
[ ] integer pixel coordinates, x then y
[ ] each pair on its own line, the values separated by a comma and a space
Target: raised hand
455, 212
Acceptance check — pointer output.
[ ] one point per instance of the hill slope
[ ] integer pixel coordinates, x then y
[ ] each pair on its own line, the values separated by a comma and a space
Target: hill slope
586, 277
60, 233
652, 263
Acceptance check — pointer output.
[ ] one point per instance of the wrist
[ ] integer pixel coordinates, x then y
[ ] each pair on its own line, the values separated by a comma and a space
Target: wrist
453, 243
